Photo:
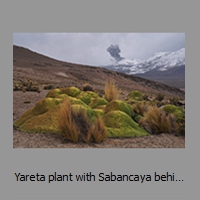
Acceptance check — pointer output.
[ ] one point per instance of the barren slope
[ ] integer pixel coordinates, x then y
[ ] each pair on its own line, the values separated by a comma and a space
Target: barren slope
44, 70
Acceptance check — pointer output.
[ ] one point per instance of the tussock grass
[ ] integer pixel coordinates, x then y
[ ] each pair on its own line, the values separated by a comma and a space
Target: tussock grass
48, 87
111, 90
75, 125
119, 105
87, 87
97, 132
82, 123
66, 124
136, 95
159, 121
140, 108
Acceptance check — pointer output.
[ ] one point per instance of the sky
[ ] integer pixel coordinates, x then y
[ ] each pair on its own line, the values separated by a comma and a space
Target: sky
99, 49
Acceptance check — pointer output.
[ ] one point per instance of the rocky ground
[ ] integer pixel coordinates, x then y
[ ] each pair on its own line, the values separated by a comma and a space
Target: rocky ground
37, 140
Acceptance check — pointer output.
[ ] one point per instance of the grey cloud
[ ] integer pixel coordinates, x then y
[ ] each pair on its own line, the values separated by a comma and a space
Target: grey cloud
91, 48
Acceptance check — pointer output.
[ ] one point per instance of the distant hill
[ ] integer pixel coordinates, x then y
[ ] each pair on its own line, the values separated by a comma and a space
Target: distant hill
174, 76
45, 70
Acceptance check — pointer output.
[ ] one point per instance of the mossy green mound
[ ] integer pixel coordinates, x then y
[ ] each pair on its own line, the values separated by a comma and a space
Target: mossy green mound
101, 107
70, 91
61, 96
44, 123
87, 96
136, 95
119, 105
53, 93
45, 119
98, 101
119, 124
40, 108
75, 101
99, 112
175, 110
44, 116
45, 104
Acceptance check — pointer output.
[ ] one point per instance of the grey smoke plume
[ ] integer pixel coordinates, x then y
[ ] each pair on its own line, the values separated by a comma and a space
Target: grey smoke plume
114, 51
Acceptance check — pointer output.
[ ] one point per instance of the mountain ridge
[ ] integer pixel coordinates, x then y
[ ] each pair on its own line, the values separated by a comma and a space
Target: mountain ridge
45, 70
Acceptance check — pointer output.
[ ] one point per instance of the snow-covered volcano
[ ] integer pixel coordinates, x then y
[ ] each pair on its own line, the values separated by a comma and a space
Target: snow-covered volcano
160, 61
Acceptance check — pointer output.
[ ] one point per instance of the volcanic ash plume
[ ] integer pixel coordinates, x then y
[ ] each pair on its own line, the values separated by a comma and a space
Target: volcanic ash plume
114, 51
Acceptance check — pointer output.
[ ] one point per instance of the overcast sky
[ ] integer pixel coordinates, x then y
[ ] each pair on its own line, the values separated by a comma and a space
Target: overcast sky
91, 48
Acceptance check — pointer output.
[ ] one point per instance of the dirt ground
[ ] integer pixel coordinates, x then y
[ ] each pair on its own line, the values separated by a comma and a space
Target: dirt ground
38, 140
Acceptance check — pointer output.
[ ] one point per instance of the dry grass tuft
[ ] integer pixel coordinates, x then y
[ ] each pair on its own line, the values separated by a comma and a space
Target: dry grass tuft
24, 90
97, 132
87, 87
159, 121
75, 125
82, 123
67, 126
111, 90
140, 107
